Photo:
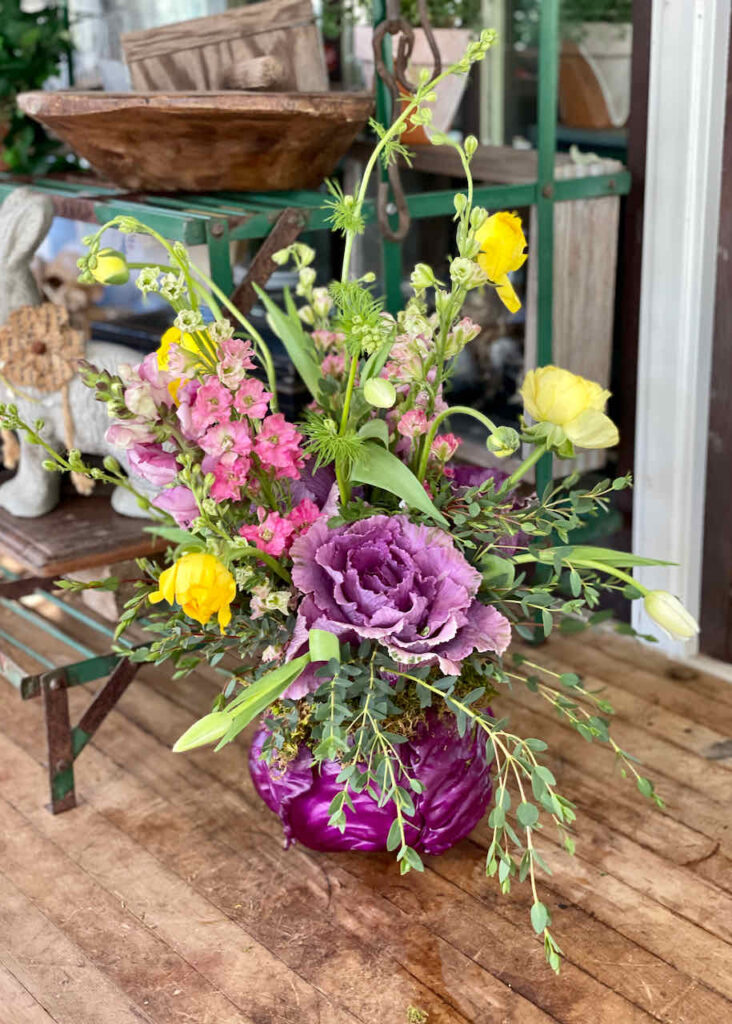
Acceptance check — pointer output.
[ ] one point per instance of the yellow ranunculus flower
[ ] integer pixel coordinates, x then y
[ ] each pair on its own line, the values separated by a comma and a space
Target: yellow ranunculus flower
201, 585
553, 395
174, 337
502, 243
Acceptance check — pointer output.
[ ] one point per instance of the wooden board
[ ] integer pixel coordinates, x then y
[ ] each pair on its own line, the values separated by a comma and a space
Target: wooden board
205, 141
80, 533
179, 857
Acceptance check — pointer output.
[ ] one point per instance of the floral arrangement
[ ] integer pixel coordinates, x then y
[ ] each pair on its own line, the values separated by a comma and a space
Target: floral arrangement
364, 584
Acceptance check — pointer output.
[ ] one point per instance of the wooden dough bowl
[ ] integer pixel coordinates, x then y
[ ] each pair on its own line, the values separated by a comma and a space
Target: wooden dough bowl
205, 141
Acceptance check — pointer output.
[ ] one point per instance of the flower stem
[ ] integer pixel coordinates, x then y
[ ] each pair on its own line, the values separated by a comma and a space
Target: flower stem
525, 466
454, 410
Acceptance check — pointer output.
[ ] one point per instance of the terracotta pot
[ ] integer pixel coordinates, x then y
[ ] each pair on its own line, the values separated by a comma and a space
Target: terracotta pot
594, 76
451, 43
453, 770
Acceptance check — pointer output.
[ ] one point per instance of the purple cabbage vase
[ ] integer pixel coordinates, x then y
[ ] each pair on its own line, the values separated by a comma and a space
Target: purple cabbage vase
453, 770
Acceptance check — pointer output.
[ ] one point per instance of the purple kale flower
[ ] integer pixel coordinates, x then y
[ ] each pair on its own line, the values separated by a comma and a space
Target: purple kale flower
405, 586
453, 770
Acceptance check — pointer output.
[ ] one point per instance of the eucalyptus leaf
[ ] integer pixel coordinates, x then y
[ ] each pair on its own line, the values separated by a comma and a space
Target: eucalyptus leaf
378, 467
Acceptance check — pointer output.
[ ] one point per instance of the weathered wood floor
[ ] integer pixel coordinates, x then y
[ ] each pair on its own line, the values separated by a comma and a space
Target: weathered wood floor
166, 895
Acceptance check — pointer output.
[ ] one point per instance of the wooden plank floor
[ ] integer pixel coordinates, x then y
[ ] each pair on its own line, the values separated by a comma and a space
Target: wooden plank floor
166, 895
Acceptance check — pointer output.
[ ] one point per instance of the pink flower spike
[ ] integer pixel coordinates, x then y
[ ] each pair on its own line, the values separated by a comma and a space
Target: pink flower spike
277, 447
273, 534
235, 358
304, 514
444, 446
211, 404
126, 433
251, 399
232, 436
230, 475
334, 365
413, 423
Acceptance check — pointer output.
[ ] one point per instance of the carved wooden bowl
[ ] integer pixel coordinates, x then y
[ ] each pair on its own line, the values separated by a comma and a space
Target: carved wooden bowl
205, 141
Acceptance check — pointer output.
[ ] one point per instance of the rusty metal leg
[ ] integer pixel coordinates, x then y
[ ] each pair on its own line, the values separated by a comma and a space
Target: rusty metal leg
287, 227
103, 703
60, 750
64, 743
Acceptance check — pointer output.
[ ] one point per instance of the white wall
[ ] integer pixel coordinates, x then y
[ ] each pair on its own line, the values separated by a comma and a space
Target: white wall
688, 85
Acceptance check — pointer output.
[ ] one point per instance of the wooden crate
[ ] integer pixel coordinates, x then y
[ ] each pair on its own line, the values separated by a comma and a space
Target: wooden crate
203, 53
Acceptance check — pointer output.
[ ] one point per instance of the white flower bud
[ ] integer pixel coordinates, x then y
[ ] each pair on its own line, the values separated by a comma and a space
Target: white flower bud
669, 613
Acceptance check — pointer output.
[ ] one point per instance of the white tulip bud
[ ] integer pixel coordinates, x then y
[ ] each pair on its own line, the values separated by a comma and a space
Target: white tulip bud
669, 613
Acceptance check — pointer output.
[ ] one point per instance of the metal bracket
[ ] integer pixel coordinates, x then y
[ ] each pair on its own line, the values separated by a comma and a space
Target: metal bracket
286, 229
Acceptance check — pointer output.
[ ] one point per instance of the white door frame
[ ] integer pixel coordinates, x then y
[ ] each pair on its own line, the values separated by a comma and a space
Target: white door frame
687, 98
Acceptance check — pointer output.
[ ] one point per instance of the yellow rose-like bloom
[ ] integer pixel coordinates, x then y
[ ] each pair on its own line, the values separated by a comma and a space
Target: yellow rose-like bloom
502, 243
553, 395
201, 585
174, 337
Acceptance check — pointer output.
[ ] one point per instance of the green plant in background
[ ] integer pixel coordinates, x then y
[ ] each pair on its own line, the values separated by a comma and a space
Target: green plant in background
32, 49
573, 14
442, 14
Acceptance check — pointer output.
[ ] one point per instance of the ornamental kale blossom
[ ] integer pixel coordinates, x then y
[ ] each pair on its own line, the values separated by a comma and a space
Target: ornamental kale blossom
405, 586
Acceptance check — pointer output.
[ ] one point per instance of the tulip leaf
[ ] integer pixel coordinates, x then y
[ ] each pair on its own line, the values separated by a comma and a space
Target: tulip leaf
379, 468
579, 553
324, 646
299, 347
176, 535
258, 697
208, 729
376, 429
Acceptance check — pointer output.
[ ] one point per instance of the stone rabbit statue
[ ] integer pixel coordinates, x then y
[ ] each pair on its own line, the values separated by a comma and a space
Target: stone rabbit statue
38, 352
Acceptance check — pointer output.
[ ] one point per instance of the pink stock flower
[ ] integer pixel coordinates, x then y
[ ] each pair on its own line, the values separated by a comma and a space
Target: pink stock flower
444, 446
413, 423
125, 433
273, 534
179, 503
231, 436
230, 475
278, 447
326, 339
334, 365
304, 514
235, 358
211, 404
153, 463
251, 399
140, 400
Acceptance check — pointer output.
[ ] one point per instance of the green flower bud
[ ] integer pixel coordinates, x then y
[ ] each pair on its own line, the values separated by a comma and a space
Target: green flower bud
460, 201
379, 393
503, 442
422, 277
470, 146
109, 267
110, 464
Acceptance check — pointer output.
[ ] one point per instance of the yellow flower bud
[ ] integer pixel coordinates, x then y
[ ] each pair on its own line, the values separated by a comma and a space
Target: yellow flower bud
503, 244
110, 267
553, 395
669, 613
201, 585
